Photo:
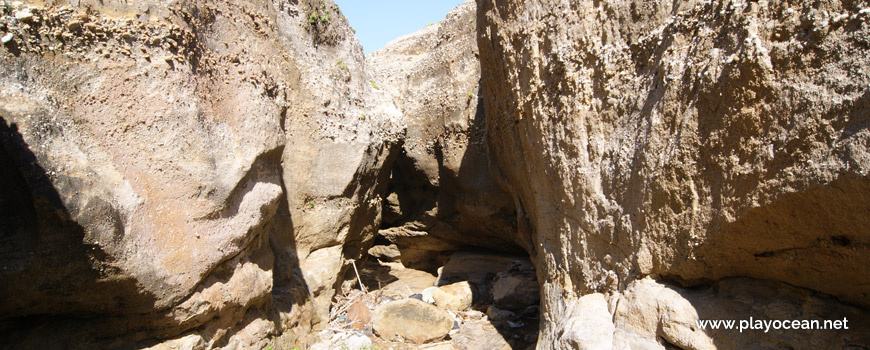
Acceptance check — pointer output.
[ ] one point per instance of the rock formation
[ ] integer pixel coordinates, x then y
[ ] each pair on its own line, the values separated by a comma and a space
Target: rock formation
199, 169
204, 174
686, 142
444, 196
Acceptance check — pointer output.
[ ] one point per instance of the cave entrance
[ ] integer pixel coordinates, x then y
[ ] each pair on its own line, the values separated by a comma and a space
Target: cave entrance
440, 245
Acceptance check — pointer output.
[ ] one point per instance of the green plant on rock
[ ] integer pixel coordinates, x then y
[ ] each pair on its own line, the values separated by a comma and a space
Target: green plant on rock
315, 17
374, 85
310, 204
341, 65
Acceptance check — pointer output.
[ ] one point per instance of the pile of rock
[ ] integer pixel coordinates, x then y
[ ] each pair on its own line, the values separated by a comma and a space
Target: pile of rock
477, 301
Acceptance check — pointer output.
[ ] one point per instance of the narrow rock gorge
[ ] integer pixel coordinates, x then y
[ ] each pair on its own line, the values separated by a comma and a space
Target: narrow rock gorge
193, 174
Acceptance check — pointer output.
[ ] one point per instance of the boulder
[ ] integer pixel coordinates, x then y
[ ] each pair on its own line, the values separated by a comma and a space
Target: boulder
590, 326
412, 320
516, 289
480, 335
498, 315
385, 252
406, 281
454, 297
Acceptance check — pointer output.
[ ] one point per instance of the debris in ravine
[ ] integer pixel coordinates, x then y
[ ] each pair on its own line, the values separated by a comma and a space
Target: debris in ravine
416, 310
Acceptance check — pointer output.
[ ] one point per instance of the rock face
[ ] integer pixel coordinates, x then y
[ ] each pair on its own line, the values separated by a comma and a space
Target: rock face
687, 141
442, 195
202, 174
171, 169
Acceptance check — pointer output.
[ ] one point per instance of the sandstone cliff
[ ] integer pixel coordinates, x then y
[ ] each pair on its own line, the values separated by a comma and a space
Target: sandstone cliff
686, 142
203, 174
442, 191
173, 168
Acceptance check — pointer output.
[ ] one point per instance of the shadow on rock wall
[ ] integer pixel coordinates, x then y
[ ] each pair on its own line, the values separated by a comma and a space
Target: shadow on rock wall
51, 282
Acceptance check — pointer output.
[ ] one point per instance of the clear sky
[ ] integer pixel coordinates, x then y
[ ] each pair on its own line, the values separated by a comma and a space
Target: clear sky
377, 22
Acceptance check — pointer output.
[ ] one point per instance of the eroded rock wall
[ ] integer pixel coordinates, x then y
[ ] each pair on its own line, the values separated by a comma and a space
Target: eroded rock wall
442, 196
170, 167
686, 142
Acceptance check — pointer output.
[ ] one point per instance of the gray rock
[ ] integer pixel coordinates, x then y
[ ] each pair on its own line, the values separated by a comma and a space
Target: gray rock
498, 315
480, 335
516, 288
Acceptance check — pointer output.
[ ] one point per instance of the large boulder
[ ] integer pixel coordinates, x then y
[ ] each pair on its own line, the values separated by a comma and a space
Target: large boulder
686, 141
455, 297
412, 320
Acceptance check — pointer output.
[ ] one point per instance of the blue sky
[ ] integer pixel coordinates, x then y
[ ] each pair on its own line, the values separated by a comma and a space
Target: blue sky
378, 21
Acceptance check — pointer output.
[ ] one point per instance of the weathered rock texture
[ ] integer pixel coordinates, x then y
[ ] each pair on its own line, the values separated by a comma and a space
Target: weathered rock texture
168, 167
201, 174
442, 195
687, 141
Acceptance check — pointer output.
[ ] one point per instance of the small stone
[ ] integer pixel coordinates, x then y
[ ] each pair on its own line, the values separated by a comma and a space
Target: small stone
6, 38
474, 314
74, 25
91, 27
496, 314
24, 15
454, 297
126, 36
427, 295
412, 320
